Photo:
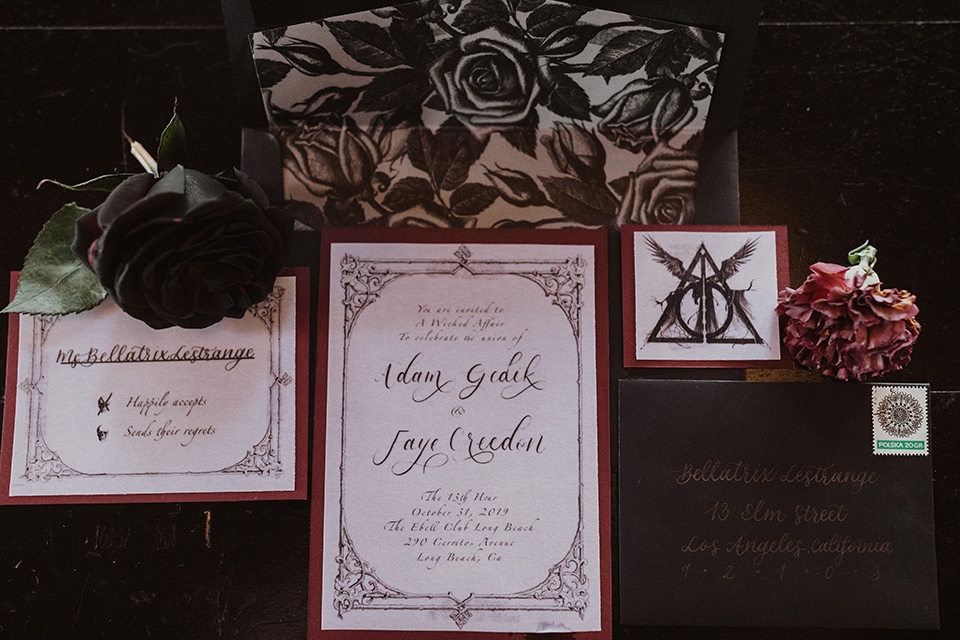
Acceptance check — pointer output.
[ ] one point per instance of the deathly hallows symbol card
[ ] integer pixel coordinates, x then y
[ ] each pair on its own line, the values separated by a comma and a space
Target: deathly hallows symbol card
703, 296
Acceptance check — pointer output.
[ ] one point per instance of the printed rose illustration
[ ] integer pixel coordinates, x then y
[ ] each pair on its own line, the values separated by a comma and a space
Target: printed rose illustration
661, 190
490, 79
184, 249
576, 151
644, 112
331, 160
487, 113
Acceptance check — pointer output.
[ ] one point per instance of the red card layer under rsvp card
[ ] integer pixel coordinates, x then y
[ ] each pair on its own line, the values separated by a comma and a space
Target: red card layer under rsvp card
461, 474
101, 408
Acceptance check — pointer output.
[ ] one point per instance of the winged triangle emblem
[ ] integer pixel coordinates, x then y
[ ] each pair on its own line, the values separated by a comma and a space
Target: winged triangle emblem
704, 308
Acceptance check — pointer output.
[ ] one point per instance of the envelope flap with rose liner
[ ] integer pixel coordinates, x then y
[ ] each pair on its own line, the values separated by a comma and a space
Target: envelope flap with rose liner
488, 113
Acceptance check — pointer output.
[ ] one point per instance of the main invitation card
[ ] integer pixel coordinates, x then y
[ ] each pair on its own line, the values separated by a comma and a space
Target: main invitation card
459, 483
102, 408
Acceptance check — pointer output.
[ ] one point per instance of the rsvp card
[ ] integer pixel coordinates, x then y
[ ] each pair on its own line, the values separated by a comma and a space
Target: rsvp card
102, 408
459, 483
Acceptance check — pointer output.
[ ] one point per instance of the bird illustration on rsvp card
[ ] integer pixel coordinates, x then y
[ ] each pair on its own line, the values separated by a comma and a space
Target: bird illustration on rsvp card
461, 409
101, 407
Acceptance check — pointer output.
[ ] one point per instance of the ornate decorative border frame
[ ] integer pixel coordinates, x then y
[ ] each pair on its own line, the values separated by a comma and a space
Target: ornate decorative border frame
566, 585
42, 463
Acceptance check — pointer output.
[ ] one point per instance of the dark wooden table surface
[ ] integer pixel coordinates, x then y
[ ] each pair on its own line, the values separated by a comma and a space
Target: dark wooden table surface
849, 131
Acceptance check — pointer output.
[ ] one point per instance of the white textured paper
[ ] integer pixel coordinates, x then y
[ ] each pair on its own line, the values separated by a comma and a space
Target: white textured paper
107, 405
461, 473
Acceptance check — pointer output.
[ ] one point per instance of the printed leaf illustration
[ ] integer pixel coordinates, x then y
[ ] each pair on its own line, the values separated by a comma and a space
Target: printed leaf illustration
307, 212
53, 280
173, 145
568, 41
394, 89
273, 36
516, 187
527, 5
106, 183
413, 39
436, 103
407, 10
569, 99
455, 152
329, 101
421, 147
523, 138
342, 212
309, 58
472, 198
366, 43
704, 44
477, 15
624, 54
407, 193
579, 201
620, 185
270, 72
668, 56
549, 17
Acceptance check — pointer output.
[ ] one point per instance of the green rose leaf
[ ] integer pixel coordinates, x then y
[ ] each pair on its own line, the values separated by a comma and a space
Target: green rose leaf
53, 280
173, 144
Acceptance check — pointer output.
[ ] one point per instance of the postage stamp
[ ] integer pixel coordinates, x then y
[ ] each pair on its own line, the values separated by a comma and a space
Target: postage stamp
901, 424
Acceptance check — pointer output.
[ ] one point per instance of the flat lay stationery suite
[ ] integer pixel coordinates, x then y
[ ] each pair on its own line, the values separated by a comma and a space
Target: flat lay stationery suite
411, 431
461, 477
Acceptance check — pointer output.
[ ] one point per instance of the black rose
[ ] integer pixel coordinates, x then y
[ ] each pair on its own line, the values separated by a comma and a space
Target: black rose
184, 249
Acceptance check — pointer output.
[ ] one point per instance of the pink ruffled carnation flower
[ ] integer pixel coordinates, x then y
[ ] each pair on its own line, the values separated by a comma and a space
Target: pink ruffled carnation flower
842, 324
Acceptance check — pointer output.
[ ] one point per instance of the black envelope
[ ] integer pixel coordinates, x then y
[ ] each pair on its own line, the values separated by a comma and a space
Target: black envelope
763, 504
717, 196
